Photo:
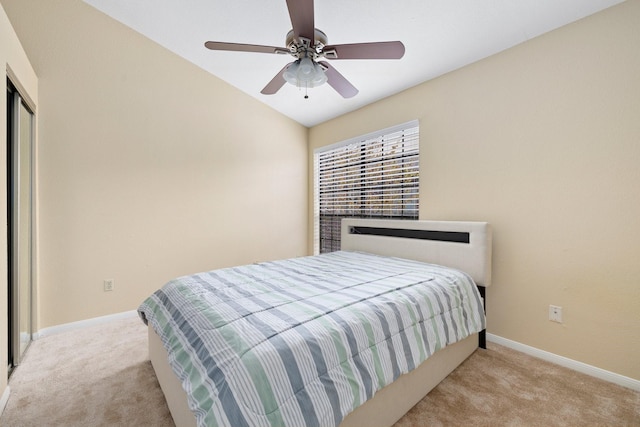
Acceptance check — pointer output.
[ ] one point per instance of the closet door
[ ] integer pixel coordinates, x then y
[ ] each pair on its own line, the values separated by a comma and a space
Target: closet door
20, 202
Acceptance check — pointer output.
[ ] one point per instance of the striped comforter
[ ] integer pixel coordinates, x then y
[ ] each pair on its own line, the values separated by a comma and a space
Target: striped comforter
304, 341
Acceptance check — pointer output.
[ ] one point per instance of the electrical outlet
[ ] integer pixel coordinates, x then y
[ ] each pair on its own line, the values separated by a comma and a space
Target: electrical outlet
555, 313
108, 285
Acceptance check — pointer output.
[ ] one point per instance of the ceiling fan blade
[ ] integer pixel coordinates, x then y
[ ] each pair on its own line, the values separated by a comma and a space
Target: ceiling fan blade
338, 82
375, 50
239, 47
302, 20
276, 83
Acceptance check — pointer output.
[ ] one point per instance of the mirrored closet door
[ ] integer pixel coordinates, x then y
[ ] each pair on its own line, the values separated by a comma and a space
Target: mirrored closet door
20, 128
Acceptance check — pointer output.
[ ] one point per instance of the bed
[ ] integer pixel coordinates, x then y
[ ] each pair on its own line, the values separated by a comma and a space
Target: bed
334, 378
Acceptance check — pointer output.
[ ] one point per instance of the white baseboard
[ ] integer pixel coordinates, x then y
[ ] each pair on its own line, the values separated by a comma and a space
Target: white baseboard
567, 363
83, 324
4, 399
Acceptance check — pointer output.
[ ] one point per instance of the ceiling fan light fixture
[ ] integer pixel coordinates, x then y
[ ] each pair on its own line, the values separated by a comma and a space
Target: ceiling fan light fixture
305, 73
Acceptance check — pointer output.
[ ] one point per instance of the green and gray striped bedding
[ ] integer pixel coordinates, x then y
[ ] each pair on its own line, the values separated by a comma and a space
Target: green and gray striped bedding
304, 341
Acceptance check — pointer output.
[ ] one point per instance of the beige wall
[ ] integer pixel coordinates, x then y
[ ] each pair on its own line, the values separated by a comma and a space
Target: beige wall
16, 64
542, 141
149, 167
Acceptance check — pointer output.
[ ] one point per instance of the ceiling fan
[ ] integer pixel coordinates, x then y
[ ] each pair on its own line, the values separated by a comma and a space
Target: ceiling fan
309, 45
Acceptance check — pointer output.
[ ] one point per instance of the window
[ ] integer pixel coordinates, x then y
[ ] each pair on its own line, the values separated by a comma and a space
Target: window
373, 176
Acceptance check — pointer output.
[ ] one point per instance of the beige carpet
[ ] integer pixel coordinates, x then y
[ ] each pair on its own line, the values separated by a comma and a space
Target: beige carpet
101, 376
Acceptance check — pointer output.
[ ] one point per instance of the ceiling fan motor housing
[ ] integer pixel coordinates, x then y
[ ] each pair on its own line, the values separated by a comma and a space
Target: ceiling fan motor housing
305, 48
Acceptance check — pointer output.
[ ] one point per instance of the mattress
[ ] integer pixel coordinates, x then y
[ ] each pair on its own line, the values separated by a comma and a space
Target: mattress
307, 340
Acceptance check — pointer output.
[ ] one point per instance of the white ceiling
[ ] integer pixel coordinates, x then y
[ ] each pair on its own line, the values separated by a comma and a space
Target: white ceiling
439, 35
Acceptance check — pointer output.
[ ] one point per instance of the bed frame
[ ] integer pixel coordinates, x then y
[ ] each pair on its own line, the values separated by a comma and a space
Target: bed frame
457, 244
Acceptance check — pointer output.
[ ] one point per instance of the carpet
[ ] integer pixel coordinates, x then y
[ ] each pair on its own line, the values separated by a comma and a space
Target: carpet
101, 376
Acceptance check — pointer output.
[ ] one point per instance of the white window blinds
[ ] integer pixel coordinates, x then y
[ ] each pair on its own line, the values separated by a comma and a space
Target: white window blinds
374, 176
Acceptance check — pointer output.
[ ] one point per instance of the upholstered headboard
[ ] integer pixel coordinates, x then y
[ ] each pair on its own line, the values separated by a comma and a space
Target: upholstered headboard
463, 245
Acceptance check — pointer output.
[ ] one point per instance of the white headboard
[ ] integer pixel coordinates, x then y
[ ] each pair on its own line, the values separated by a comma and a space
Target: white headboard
462, 245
